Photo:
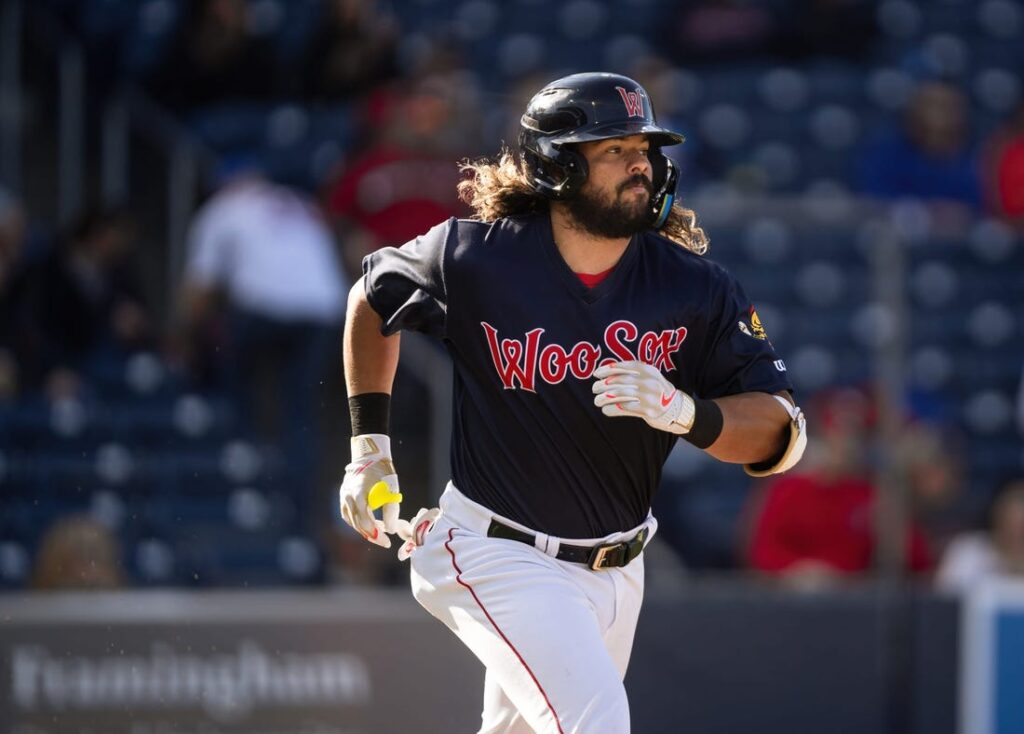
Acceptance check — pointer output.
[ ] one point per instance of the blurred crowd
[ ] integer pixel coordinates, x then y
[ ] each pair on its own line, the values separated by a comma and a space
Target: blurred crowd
268, 264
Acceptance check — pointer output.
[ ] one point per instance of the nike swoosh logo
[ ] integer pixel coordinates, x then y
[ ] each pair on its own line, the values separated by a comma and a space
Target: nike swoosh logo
666, 399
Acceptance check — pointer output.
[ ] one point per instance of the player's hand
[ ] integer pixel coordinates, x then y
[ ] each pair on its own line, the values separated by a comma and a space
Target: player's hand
414, 532
638, 390
371, 465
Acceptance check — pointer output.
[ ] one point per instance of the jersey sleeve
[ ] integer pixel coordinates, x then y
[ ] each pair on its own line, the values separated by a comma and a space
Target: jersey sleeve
739, 356
405, 285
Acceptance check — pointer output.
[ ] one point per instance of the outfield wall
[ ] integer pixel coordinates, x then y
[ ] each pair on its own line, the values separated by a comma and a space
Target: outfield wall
711, 658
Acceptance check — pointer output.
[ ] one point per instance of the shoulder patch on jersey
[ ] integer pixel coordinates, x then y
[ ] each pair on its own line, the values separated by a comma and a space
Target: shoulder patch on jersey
756, 330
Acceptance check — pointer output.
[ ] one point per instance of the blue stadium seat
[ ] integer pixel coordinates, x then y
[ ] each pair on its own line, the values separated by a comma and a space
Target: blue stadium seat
948, 17
992, 458
15, 562
738, 86
151, 560
582, 21
225, 557
303, 165
146, 35
232, 127
836, 82
699, 516
301, 18
640, 18
105, 19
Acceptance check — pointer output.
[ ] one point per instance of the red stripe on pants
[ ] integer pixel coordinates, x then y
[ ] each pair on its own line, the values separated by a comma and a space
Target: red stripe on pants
458, 577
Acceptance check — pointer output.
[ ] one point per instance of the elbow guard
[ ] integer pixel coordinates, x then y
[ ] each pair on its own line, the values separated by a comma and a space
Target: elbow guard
794, 448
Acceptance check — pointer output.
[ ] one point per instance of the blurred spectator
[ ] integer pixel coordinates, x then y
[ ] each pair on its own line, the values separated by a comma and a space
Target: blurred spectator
351, 53
996, 551
816, 525
81, 307
932, 462
720, 31
930, 157
213, 59
405, 181
77, 552
267, 250
12, 236
1005, 169
817, 29
12, 245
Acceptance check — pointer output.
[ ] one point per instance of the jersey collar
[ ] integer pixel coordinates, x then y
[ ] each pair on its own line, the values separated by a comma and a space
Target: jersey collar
569, 279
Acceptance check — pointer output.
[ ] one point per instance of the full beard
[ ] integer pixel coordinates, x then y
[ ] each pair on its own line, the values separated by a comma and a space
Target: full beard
595, 216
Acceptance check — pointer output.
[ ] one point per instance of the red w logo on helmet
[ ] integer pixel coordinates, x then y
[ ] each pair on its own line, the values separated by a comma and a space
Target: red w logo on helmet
634, 102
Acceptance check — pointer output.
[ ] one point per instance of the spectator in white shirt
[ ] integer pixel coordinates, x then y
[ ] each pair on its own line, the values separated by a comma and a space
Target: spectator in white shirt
264, 275
997, 552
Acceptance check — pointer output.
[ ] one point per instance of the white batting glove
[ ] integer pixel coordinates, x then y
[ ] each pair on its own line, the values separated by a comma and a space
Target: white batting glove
414, 532
638, 390
371, 464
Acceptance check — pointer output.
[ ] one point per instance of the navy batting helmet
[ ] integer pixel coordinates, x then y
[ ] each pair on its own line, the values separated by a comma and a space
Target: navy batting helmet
586, 107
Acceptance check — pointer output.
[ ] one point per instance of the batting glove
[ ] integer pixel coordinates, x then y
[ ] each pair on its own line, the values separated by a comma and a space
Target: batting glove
638, 390
414, 532
371, 464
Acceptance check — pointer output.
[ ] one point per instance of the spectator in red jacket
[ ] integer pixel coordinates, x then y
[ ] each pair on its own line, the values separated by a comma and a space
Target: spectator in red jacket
817, 525
404, 183
1005, 170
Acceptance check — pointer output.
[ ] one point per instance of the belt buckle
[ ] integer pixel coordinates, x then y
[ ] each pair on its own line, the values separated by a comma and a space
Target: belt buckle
600, 552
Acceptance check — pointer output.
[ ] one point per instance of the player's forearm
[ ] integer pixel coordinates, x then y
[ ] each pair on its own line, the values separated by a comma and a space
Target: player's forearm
371, 358
754, 429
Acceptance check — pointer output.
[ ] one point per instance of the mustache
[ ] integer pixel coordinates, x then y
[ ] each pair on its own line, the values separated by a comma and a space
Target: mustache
637, 180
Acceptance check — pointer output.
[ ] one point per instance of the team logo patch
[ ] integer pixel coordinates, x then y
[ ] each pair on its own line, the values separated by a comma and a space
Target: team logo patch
756, 330
634, 101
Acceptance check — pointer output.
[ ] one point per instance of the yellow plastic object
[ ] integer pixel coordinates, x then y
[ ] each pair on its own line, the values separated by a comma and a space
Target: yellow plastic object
381, 495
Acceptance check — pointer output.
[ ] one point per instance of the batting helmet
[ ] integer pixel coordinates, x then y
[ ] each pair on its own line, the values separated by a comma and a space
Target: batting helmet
586, 107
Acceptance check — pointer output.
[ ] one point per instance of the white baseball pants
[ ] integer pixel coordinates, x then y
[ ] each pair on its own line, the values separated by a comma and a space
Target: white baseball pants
554, 636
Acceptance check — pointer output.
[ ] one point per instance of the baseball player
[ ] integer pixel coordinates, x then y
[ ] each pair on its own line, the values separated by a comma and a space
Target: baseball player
587, 335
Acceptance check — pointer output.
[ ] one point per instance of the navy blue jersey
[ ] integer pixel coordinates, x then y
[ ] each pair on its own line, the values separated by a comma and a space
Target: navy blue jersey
525, 335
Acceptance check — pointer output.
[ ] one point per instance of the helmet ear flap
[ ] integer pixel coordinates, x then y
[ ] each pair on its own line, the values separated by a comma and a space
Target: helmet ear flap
665, 177
556, 171
659, 166
576, 170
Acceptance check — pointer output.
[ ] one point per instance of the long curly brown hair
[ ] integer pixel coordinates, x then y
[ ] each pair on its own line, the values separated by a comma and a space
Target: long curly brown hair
496, 188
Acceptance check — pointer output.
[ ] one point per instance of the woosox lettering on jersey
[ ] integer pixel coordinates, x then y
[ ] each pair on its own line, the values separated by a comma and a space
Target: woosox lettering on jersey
522, 360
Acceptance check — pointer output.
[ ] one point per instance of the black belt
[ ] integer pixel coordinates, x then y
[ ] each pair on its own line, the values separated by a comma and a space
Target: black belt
611, 555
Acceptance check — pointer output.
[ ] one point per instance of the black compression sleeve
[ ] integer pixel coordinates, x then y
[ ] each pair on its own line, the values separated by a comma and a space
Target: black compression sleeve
370, 413
707, 423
